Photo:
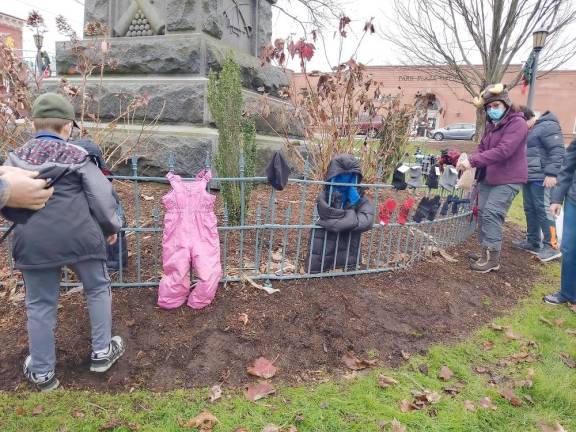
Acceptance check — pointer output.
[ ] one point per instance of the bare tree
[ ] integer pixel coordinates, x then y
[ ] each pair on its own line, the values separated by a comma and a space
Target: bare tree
473, 42
311, 15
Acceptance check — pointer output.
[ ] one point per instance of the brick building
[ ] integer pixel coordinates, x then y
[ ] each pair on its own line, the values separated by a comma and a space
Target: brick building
12, 27
449, 103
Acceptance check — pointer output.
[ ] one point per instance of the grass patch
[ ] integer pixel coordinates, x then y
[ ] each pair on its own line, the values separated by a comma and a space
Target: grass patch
357, 404
516, 213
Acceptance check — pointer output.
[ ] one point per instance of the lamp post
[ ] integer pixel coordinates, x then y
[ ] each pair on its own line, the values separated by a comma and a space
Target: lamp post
538, 41
38, 41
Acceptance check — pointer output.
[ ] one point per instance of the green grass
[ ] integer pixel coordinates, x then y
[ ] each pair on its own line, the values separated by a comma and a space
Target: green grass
357, 404
516, 213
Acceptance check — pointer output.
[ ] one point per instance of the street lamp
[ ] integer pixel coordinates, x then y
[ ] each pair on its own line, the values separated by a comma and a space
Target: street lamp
38, 41
538, 41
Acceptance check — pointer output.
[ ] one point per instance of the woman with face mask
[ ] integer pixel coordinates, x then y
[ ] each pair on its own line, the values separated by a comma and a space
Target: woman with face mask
501, 170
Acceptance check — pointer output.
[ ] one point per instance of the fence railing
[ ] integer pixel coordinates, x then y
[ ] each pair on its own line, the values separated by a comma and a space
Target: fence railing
274, 236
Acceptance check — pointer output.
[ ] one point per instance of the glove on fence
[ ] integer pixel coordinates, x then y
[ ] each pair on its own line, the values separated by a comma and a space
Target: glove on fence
422, 210
434, 206
399, 179
386, 211
405, 210
446, 205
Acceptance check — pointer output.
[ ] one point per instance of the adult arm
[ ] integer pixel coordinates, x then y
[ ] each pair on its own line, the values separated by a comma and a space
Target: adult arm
566, 175
553, 143
101, 201
513, 138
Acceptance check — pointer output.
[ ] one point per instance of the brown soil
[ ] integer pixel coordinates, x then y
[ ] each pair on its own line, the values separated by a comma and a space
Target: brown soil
307, 327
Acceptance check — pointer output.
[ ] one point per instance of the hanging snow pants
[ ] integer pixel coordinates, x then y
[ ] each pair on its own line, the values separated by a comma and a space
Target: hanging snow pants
190, 240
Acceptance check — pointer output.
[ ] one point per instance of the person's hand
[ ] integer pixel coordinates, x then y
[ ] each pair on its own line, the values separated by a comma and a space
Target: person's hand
25, 190
464, 165
550, 182
112, 239
555, 209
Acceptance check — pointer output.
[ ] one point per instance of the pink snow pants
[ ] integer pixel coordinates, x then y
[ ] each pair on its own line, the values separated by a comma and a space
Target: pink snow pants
190, 239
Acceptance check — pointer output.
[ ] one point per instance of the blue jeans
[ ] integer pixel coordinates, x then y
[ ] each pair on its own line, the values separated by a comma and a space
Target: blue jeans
568, 281
540, 222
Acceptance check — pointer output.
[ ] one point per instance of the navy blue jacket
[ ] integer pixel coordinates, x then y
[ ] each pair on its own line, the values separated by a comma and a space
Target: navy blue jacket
566, 187
545, 150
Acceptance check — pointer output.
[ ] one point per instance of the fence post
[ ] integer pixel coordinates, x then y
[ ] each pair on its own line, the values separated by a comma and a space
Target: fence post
137, 218
242, 210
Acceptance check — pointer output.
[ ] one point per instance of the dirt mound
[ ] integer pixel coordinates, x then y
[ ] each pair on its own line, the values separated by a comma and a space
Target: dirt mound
308, 326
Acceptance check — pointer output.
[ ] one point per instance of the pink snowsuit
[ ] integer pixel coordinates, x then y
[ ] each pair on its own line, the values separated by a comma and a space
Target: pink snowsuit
190, 238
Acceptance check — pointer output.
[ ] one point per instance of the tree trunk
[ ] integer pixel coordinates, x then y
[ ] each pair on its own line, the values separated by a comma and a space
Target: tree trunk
480, 124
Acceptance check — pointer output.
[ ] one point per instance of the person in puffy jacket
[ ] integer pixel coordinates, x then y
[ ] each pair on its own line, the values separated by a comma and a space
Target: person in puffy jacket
501, 170
545, 152
565, 192
344, 213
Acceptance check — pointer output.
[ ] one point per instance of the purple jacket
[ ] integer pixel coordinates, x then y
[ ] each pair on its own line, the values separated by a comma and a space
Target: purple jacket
502, 151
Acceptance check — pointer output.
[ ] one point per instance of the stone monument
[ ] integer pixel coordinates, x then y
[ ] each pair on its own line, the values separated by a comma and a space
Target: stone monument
166, 49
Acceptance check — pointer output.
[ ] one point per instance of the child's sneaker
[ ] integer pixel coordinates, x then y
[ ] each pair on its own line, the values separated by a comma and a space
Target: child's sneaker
44, 381
101, 362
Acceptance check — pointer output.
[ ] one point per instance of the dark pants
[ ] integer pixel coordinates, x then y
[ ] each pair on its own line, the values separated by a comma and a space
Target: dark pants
540, 222
568, 283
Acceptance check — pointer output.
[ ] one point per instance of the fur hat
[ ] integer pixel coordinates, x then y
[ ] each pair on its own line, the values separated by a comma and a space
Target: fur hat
492, 93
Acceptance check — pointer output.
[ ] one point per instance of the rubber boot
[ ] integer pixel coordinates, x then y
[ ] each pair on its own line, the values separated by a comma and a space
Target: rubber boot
489, 262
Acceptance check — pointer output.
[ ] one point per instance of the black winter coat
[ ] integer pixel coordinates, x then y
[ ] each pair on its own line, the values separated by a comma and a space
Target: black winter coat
545, 150
338, 241
566, 187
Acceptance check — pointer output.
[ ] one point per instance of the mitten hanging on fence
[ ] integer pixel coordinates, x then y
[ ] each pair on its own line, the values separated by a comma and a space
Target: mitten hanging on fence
432, 180
422, 210
405, 210
434, 206
399, 179
386, 211
456, 204
446, 205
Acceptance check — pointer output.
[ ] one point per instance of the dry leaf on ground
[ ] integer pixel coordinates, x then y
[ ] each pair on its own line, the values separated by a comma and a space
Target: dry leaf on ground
259, 390
469, 406
262, 368
568, 360
110, 425
423, 368
486, 403
406, 406
481, 369
384, 381
546, 321
511, 397
487, 345
454, 389
510, 334
559, 322
571, 332
496, 327
38, 409
243, 318
427, 396
354, 363
546, 427
397, 426
445, 373
271, 428
204, 421
215, 393
405, 355
19, 411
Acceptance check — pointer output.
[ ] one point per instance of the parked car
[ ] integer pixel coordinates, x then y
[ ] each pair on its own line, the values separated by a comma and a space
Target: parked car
465, 131
369, 126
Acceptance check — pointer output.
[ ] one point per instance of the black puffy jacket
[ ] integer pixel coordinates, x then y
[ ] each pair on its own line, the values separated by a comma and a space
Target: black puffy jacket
545, 150
566, 187
337, 243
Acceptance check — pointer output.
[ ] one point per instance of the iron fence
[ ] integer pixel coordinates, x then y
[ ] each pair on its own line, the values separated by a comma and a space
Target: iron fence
273, 238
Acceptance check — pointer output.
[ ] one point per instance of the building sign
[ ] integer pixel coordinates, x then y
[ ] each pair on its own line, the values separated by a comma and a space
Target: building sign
422, 78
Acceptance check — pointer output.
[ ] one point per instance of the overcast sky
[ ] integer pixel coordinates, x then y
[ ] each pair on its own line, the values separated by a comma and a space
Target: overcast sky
373, 51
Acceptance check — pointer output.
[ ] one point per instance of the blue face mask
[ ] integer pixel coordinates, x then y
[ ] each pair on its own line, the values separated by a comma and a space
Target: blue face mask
495, 113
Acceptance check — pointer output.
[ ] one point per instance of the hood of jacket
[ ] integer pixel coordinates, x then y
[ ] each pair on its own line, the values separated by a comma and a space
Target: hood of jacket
547, 117
344, 164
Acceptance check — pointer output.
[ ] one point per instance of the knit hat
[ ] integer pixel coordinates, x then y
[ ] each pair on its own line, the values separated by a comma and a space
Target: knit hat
277, 171
415, 176
492, 93
449, 178
53, 105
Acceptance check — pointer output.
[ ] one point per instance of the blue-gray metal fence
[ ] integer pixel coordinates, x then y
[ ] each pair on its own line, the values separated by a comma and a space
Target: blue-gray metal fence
273, 238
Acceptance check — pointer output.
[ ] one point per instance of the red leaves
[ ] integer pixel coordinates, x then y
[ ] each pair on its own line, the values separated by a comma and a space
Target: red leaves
259, 391
262, 368
305, 50
354, 363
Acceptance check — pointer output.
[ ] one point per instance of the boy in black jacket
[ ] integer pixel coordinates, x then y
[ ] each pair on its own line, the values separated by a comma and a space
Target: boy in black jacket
72, 230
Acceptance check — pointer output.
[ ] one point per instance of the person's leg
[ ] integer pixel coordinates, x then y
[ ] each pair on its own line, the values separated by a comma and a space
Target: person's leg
532, 195
493, 215
483, 194
106, 350
550, 250
568, 284
42, 290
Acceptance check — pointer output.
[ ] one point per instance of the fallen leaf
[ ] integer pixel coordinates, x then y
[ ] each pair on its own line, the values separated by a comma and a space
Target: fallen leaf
406, 406
496, 327
79, 414
147, 198
384, 381
427, 396
445, 373
243, 318
262, 368
354, 363
215, 393
546, 427
423, 368
469, 406
481, 369
453, 389
19, 411
486, 403
447, 256
572, 307
559, 322
568, 361
259, 391
405, 355
510, 334
488, 345
110, 425
529, 399
571, 332
324, 405
299, 418
134, 426
397, 426
130, 323
204, 421
546, 321
241, 430
511, 397
38, 409
271, 428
